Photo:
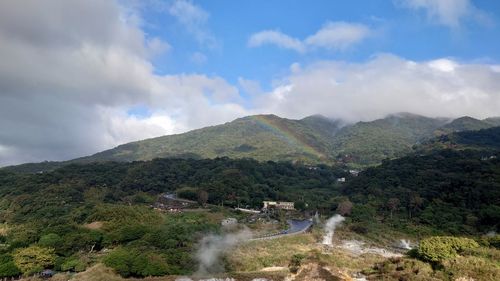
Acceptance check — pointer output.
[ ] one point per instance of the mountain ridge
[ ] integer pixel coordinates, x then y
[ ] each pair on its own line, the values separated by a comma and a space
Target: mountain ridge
312, 139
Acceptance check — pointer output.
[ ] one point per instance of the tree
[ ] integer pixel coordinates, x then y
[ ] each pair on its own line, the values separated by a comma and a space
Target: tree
129, 262
300, 205
345, 207
9, 269
202, 197
34, 259
50, 240
392, 205
121, 260
415, 202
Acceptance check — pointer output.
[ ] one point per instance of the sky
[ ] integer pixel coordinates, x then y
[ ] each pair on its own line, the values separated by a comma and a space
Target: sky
82, 76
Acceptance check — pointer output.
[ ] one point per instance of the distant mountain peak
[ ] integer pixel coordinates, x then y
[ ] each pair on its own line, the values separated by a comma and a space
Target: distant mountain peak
466, 123
465, 118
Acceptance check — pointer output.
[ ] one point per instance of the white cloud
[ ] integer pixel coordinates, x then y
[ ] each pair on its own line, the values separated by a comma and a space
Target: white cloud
338, 35
198, 58
333, 36
386, 84
450, 13
194, 19
157, 46
445, 65
66, 83
276, 38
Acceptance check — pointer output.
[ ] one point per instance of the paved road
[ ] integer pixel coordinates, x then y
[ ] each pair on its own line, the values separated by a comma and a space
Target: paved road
296, 227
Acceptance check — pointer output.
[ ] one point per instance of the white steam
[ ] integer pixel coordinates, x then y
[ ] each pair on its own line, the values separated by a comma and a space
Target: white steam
405, 244
330, 226
213, 246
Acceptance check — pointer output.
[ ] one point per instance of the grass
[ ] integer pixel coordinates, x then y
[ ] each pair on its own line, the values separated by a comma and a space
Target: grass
470, 266
3, 229
100, 272
481, 264
255, 255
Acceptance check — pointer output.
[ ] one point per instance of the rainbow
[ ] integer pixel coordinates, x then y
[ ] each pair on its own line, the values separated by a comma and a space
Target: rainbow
285, 134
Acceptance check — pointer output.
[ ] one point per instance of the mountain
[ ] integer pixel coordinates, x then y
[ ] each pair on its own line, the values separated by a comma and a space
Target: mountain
314, 139
367, 143
262, 137
484, 139
466, 124
494, 121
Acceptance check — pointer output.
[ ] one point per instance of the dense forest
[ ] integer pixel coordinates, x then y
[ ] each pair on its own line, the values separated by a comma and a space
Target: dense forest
449, 190
484, 139
52, 215
61, 217
243, 182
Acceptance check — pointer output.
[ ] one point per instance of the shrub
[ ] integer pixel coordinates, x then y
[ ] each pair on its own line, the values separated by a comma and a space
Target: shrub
490, 241
296, 262
81, 239
34, 259
73, 264
439, 248
50, 240
401, 269
128, 263
9, 269
121, 261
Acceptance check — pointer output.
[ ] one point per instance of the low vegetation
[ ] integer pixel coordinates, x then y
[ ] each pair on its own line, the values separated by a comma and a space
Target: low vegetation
442, 258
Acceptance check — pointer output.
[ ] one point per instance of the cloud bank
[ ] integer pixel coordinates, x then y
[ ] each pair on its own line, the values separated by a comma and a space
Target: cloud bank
387, 84
67, 83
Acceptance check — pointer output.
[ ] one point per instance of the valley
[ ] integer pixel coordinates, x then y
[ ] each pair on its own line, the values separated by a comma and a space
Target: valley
190, 140
243, 219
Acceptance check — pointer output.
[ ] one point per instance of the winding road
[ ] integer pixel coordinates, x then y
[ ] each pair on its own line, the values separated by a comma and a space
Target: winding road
296, 227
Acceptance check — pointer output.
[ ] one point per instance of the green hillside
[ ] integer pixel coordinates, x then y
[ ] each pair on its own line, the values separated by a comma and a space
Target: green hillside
466, 124
368, 143
314, 139
262, 137
484, 139
457, 191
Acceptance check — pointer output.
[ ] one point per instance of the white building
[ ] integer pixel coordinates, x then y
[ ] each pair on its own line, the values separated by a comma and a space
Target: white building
278, 205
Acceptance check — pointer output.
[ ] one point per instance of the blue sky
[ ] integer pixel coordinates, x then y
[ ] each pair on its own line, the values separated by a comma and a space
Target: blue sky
412, 33
82, 76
